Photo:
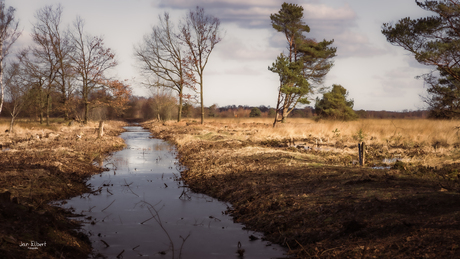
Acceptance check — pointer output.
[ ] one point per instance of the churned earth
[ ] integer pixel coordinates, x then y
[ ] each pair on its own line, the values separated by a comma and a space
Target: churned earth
316, 201
40, 164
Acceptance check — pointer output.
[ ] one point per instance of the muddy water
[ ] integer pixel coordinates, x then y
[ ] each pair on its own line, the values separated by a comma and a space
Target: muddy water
142, 183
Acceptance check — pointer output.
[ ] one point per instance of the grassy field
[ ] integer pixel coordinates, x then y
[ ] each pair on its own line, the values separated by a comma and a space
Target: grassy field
299, 182
39, 164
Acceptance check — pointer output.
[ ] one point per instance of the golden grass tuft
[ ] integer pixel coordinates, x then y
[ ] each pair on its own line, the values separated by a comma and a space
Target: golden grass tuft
422, 141
400, 132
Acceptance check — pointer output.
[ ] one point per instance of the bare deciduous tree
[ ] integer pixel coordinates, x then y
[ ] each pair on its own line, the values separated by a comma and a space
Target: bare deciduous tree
91, 60
9, 33
162, 59
47, 50
17, 91
35, 76
200, 32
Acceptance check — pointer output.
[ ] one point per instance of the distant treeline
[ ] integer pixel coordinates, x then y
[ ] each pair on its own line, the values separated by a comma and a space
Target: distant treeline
165, 106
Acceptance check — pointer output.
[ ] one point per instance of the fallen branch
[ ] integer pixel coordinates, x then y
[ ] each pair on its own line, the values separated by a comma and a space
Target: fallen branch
130, 188
119, 255
108, 206
105, 243
147, 220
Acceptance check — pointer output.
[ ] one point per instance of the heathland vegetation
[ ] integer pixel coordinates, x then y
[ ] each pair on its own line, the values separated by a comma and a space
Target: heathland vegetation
40, 164
298, 181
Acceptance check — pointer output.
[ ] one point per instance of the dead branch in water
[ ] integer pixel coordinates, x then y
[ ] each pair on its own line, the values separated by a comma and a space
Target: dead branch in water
108, 206
105, 243
156, 216
127, 185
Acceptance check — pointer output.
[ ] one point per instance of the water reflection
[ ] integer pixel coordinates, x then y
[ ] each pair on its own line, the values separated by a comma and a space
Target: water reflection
142, 208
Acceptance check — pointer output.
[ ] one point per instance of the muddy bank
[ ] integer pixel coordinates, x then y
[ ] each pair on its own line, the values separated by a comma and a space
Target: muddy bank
39, 164
315, 204
144, 209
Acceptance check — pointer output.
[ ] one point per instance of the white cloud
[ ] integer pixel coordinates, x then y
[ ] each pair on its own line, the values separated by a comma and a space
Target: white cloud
353, 44
185, 4
236, 49
399, 82
324, 12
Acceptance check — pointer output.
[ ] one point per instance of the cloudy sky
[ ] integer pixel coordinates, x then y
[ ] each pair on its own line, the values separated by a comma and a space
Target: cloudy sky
378, 76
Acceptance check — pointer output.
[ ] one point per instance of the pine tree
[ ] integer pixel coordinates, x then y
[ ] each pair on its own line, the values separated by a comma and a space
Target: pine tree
434, 41
334, 105
306, 64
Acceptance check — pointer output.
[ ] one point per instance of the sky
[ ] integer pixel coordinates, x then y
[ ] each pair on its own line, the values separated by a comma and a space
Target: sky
378, 75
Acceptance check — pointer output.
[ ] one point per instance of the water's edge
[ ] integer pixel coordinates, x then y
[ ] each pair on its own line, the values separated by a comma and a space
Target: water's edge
141, 207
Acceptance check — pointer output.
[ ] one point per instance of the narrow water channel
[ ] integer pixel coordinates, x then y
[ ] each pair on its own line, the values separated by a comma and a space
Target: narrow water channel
143, 182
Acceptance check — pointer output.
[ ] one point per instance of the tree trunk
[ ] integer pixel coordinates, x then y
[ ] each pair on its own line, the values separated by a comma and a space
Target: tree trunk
86, 112
2, 88
201, 95
12, 123
40, 104
66, 111
284, 115
277, 106
179, 115
48, 104
101, 129
85, 99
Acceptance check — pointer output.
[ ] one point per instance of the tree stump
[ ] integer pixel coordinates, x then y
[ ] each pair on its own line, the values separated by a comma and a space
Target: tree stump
101, 129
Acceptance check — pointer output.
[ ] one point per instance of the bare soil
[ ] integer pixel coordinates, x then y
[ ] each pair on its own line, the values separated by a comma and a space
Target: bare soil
319, 204
40, 164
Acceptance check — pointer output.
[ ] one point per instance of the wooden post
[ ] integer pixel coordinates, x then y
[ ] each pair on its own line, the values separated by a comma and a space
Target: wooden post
361, 153
101, 129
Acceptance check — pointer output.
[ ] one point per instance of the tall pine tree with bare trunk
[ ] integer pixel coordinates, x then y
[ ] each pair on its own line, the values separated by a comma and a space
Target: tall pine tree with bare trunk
305, 65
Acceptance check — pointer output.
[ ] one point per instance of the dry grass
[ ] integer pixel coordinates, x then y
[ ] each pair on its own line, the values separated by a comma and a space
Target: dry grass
398, 132
421, 141
38, 164
314, 201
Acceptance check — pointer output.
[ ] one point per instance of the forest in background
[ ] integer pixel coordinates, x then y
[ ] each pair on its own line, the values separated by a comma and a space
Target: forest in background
164, 106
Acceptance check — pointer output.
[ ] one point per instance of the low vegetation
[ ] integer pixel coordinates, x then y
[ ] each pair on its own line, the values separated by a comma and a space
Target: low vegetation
299, 182
40, 164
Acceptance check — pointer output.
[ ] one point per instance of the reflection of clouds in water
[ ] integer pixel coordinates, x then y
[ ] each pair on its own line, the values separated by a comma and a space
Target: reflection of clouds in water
120, 162
146, 172
162, 146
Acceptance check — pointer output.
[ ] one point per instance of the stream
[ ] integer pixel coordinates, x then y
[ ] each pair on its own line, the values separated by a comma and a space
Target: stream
140, 207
